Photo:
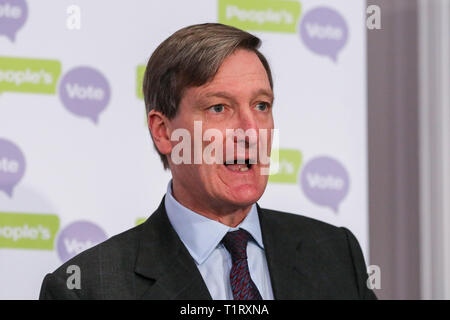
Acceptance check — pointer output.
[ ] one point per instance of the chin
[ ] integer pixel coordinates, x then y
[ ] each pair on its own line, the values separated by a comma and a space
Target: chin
245, 195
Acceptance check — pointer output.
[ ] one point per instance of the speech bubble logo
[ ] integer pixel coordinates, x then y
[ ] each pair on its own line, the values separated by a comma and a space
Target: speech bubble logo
77, 237
13, 14
85, 92
29, 75
12, 166
325, 182
324, 31
28, 231
289, 161
260, 15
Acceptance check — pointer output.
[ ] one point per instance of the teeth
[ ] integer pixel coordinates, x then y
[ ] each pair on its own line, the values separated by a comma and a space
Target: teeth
237, 167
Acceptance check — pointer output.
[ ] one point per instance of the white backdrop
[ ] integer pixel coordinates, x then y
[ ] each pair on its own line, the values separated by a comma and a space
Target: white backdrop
81, 181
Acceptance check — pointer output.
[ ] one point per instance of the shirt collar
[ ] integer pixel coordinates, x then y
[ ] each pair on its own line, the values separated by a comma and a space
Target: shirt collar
202, 235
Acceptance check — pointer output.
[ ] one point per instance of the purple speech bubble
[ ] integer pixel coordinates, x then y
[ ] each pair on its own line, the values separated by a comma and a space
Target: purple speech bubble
324, 31
85, 92
325, 182
13, 14
12, 166
77, 237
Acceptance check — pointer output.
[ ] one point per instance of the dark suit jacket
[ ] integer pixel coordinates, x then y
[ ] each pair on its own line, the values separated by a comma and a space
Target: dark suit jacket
307, 259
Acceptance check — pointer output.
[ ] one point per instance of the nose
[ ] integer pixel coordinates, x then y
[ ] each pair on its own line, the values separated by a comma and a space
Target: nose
247, 119
247, 122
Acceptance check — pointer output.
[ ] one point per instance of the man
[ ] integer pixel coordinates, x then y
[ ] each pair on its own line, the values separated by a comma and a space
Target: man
209, 239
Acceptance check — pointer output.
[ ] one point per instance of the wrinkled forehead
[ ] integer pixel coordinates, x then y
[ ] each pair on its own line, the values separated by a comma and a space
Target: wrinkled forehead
241, 63
241, 73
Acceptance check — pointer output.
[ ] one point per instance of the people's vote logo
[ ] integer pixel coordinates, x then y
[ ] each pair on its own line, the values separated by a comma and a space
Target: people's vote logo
260, 15
324, 31
85, 92
13, 14
325, 182
12, 166
77, 237
27, 75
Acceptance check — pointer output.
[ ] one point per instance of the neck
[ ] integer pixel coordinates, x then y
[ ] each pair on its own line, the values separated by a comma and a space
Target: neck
227, 214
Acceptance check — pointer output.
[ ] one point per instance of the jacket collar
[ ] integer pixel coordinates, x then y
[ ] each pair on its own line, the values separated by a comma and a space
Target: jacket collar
163, 259
292, 264
169, 272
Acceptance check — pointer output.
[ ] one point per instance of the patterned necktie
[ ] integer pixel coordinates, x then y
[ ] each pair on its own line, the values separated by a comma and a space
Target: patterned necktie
242, 284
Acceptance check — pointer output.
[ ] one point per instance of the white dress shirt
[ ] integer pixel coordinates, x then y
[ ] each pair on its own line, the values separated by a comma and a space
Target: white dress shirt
202, 238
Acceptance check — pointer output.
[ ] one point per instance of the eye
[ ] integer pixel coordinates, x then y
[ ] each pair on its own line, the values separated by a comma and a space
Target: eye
218, 108
262, 106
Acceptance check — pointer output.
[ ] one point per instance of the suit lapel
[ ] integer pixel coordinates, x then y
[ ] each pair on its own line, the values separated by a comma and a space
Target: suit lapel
291, 264
168, 270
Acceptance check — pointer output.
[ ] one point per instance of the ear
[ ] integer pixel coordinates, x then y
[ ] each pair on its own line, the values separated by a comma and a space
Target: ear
158, 126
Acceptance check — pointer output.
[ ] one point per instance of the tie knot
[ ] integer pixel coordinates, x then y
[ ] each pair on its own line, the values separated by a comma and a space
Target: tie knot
236, 243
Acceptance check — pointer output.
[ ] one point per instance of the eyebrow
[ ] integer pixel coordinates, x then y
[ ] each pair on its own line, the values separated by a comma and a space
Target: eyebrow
225, 95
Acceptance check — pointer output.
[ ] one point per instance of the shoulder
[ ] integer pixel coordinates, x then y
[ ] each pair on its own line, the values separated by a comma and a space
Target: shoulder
323, 248
333, 243
119, 248
313, 229
115, 256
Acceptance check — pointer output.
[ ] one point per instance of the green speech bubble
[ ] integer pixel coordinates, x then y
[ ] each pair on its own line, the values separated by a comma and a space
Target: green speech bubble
140, 70
260, 15
29, 75
288, 166
28, 231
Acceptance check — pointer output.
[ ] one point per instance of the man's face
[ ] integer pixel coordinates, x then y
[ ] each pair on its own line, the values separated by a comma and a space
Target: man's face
238, 97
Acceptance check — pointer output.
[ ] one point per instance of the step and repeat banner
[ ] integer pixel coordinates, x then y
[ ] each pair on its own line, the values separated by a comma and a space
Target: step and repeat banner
77, 164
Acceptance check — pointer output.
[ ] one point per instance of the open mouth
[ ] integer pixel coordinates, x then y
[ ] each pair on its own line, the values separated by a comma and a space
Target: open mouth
239, 167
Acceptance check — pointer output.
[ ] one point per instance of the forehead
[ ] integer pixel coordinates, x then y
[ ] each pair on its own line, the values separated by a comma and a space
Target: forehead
241, 72
241, 63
